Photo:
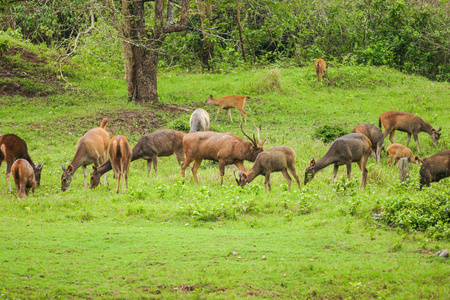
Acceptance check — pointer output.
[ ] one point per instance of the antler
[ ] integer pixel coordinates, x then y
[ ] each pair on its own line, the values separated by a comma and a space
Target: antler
258, 131
253, 140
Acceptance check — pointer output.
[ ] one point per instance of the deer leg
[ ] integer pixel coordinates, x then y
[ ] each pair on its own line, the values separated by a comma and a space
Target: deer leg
8, 172
349, 170
335, 170
294, 173
408, 138
218, 112
229, 113
288, 178
185, 164
149, 167
396, 161
387, 130
221, 170
267, 182
416, 139
155, 165
240, 166
378, 153
197, 163
7, 180
364, 172
85, 176
391, 136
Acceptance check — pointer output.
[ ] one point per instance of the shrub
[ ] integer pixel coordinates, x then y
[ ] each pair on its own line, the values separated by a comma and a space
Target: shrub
428, 211
328, 133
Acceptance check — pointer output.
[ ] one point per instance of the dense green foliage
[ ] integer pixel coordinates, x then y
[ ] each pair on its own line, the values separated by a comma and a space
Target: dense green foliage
411, 36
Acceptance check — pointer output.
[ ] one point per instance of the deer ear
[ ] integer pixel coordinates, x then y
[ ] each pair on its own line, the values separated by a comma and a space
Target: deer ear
244, 176
63, 167
94, 168
312, 162
70, 168
39, 166
439, 129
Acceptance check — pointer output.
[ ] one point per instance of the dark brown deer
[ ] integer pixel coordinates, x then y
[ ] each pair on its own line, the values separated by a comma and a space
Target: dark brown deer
225, 148
120, 157
397, 151
435, 168
24, 177
321, 69
353, 147
375, 136
409, 123
151, 146
13, 147
199, 120
227, 102
276, 159
92, 148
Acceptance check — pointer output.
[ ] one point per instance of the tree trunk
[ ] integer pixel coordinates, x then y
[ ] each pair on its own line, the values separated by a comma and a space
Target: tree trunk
205, 12
403, 167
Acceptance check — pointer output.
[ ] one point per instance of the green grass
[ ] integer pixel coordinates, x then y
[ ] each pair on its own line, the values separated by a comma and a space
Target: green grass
165, 240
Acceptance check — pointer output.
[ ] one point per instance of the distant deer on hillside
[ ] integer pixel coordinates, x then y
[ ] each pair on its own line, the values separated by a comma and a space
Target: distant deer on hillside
321, 69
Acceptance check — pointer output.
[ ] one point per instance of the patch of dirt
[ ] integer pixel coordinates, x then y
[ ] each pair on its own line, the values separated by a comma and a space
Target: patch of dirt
28, 78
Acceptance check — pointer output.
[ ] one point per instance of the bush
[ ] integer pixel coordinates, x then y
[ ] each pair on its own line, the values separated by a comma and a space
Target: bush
426, 211
328, 133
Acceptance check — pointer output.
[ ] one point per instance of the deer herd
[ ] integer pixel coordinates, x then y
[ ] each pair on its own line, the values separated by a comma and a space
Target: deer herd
227, 149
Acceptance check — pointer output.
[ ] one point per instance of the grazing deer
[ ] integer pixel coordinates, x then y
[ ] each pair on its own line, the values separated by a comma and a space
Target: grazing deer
24, 177
227, 102
199, 120
12, 148
353, 147
151, 146
375, 136
225, 148
120, 157
276, 159
409, 123
92, 148
321, 69
435, 168
397, 151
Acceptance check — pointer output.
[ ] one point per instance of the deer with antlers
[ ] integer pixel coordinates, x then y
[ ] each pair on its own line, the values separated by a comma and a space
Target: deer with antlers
225, 148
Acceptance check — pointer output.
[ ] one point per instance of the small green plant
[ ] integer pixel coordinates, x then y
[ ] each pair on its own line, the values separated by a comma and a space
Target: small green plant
328, 133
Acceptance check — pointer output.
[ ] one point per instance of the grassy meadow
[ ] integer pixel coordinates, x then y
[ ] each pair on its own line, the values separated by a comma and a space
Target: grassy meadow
163, 239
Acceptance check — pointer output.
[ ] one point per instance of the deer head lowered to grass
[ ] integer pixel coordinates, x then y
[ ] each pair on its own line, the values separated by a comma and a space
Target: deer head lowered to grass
276, 159
92, 148
225, 148
411, 124
353, 147
12, 148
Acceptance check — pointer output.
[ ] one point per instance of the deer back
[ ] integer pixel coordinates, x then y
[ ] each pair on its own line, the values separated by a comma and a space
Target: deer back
435, 168
199, 120
119, 151
372, 132
161, 143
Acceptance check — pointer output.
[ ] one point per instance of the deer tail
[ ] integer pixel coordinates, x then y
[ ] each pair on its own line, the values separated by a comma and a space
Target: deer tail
379, 122
16, 174
104, 121
119, 151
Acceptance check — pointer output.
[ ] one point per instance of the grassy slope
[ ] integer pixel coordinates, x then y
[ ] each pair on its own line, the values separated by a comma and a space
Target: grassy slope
163, 239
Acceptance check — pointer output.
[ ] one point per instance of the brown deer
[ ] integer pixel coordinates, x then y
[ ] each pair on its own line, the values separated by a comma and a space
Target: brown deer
276, 159
409, 123
397, 151
225, 148
199, 120
120, 157
353, 147
321, 69
24, 177
12, 148
151, 146
375, 136
227, 102
92, 148
435, 168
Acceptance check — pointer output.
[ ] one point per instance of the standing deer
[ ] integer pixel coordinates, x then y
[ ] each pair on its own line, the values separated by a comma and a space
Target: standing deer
276, 159
227, 102
151, 146
199, 120
409, 123
397, 151
24, 177
120, 157
92, 148
353, 147
321, 69
435, 168
225, 148
12, 148
375, 136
